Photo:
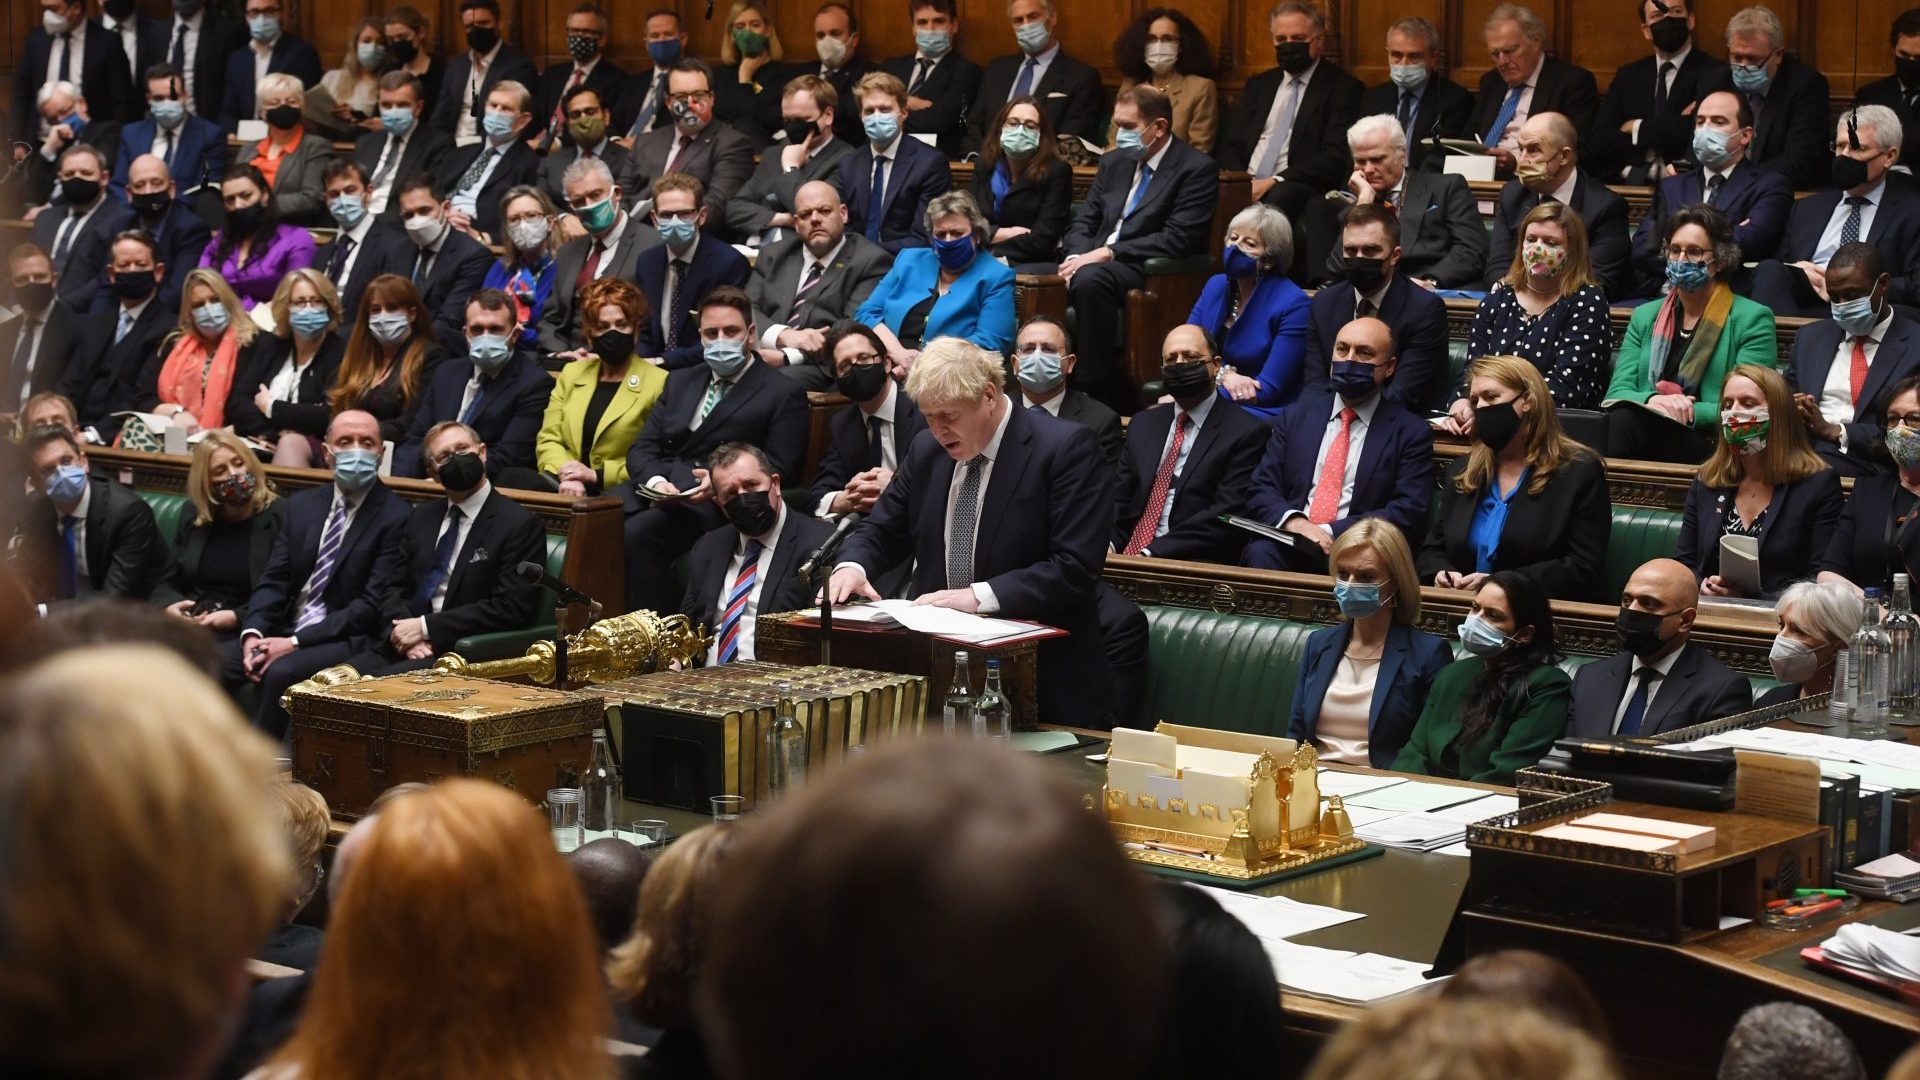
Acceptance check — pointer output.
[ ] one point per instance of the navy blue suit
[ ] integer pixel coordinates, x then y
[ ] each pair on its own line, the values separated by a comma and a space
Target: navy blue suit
509, 62
1815, 350
714, 263
101, 73
1895, 230
83, 266
182, 237
1793, 534
291, 54
918, 173
1045, 519
1394, 478
1407, 667
457, 272
506, 417
483, 594
198, 158
1418, 320
850, 452
384, 249
1756, 200
1220, 463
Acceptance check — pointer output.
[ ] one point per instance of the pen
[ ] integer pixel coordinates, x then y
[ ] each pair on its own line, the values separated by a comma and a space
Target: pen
1775, 905
1809, 910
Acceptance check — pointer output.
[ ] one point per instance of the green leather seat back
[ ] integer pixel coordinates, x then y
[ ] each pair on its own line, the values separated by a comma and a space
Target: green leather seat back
1456, 361
556, 561
1639, 533
170, 511
1231, 672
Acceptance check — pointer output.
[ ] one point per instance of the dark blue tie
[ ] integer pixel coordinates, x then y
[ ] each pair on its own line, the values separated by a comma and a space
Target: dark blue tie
69, 559
473, 407
875, 457
1139, 193
877, 199
1637, 704
442, 562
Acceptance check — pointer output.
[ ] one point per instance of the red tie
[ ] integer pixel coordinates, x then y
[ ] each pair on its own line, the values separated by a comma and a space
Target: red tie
1857, 375
679, 144
587, 268
1149, 523
559, 118
1333, 474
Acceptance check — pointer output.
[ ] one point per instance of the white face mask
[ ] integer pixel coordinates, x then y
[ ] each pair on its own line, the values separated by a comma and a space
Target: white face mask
424, 229
1162, 55
1792, 661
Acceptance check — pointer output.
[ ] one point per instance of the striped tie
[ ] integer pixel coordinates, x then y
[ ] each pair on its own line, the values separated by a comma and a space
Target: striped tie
737, 603
315, 609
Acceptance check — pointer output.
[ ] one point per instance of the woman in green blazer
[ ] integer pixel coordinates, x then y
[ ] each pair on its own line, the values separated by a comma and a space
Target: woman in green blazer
1678, 350
1500, 709
598, 403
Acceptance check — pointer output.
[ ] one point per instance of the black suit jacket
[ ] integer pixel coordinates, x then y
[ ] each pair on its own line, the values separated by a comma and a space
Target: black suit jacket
849, 452
1081, 409
606, 79
457, 272
764, 407
1317, 153
771, 189
1562, 88
782, 589
1698, 690
1667, 131
843, 286
385, 249
1216, 479
103, 77
917, 174
103, 378
1173, 218
291, 55
456, 95
55, 352
951, 87
310, 415
507, 419
367, 562
483, 595
1069, 90
1793, 131
1559, 536
183, 581
715, 263
425, 150
1756, 200
220, 37
1601, 211
517, 166
1041, 203
1446, 110
1895, 231
83, 269
125, 553
42, 175
1867, 548
1418, 320
1045, 519
1442, 236
1889, 92
843, 79
1794, 534
559, 321
183, 238
1815, 349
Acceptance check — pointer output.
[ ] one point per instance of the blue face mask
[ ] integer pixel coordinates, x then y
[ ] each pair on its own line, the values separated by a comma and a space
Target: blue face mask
167, 114
955, 254
725, 357
1351, 379
211, 317
489, 353
348, 210
1750, 80
881, 127
1358, 599
264, 28
678, 232
1128, 141
309, 322
1033, 36
371, 55
933, 43
67, 484
1688, 276
498, 125
1712, 148
1855, 316
355, 470
397, 121
72, 122
390, 327
664, 53
1481, 638
1039, 372
1237, 263
1408, 76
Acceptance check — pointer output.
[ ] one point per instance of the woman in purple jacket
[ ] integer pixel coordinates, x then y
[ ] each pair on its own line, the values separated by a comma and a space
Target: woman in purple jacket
254, 249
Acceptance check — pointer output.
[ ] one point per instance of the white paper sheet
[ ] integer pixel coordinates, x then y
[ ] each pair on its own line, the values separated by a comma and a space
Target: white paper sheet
1872, 948
928, 619
1276, 918
1424, 831
1416, 797
1346, 784
1352, 978
1467, 813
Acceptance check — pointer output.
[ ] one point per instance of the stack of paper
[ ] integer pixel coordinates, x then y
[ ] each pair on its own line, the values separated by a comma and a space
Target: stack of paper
1345, 977
1875, 950
1414, 797
1420, 832
1896, 877
937, 621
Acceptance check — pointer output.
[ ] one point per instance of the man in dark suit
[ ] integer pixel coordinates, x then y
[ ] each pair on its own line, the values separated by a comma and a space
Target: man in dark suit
1313, 482
1442, 238
1290, 128
1153, 202
179, 234
448, 265
1840, 373
693, 145
836, 41
866, 443
320, 595
584, 134
1648, 113
1067, 88
77, 230
890, 178
1416, 317
66, 47
642, 104
763, 209
612, 245
471, 76
1006, 512
1756, 200
1868, 202
364, 247
587, 68
272, 50
498, 391
38, 343
404, 147
1525, 82
940, 82
1426, 103
1043, 362
455, 574
1788, 98
197, 42
102, 535
675, 275
749, 566
69, 122
124, 24
733, 397
806, 284
1900, 91
194, 150
1659, 680
1175, 485
1548, 144
475, 178
117, 343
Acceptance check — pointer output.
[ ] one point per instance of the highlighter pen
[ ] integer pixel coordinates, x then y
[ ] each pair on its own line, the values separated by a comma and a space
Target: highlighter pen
1811, 910
1776, 905
1820, 892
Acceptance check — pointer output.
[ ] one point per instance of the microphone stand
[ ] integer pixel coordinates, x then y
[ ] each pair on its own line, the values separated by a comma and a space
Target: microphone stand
821, 565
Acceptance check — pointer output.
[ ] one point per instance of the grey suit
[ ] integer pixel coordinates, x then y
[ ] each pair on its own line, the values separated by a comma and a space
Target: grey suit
719, 157
560, 323
554, 166
296, 186
1442, 236
843, 287
771, 189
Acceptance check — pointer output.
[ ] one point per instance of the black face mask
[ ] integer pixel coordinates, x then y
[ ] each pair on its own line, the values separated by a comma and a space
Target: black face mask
117, 9
799, 131
1293, 57
403, 50
135, 285
1366, 274
1669, 35
1639, 631
482, 39
283, 116
80, 192
862, 381
34, 295
150, 205
1185, 380
1496, 425
462, 471
612, 346
246, 220
752, 512
1848, 172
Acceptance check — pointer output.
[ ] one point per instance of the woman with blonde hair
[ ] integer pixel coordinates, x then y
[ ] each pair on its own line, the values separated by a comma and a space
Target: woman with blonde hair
355, 84
750, 49
458, 946
280, 398
1362, 680
1763, 484
657, 968
194, 369
291, 158
1429, 1035
305, 821
223, 548
1525, 497
390, 355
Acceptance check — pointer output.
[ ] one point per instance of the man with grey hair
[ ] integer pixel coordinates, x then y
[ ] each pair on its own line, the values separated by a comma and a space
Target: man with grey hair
1865, 203
1547, 154
1784, 1041
610, 248
1525, 81
1425, 102
1442, 240
1648, 113
1788, 99
67, 120
1008, 512
77, 228
1068, 89
1288, 129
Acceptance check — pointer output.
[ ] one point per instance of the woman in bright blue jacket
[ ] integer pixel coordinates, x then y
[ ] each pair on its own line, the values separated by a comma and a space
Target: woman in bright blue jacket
953, 289
1363, 681
1257, 317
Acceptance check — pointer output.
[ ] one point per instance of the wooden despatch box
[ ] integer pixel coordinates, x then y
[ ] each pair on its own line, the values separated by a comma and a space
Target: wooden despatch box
354, 740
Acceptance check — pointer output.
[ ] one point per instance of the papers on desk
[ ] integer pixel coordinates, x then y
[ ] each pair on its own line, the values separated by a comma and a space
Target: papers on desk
1881, 763
1415, 797
1875, 950
1276, 918
1345, 977
1487, 806
1419, 832
937, 621
1347, 785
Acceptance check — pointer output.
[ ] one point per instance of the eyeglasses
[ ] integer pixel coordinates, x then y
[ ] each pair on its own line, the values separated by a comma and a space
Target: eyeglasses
1691, 254
1911, 421
864, 359
701, 96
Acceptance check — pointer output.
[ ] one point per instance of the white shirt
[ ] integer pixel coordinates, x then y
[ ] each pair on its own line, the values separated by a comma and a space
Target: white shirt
352, 503
807, 263
466, 127
1196, 419
469, 509
1273, 119
1152, 163
467, 198
1041, 61
395, 149
1830, 237
1356, 442
190, 49
262, 58
358, 234
1510, 138
982, 592
79, 516
1836, 394
889, 457
133, 310
1564, 193
75, 39
1664, 666
129, 43
734, 566
1052, 404
285, 384
33, 330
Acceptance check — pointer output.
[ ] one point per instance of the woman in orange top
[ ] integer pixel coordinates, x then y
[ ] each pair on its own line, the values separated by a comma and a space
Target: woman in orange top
290, 157
188, 379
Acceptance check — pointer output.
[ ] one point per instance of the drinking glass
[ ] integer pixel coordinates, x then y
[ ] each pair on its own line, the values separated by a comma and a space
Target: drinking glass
728, 807
564, 806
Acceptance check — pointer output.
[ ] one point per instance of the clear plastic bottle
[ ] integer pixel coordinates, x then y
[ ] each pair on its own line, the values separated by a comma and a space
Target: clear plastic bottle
786, 747
992, 719
1867, 656
956, 716
1903, 679
600, 788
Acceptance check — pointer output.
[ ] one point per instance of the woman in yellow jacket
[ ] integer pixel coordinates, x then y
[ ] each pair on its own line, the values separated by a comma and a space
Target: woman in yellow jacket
599, 402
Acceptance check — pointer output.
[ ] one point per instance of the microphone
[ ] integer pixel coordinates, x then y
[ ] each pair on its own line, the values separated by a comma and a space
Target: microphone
532, 573
830, 544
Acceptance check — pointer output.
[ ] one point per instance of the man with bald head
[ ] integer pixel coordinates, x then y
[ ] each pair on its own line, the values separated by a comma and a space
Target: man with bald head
1659, 680
179, 233
1548, 171
1340, 454
609, 872
816, 277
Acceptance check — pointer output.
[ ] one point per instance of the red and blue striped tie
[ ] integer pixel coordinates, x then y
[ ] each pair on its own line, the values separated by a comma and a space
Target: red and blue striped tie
737, 603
